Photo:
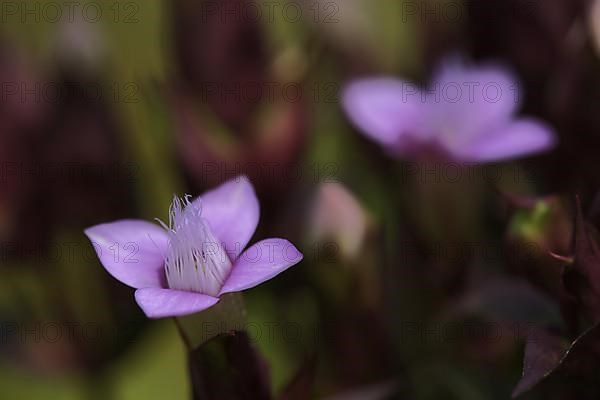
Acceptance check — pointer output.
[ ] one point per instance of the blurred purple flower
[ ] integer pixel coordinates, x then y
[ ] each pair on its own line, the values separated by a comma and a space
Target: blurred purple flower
185, 268
467, 114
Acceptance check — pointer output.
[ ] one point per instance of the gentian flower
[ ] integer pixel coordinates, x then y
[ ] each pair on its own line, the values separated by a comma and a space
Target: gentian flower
467, 115
185, 266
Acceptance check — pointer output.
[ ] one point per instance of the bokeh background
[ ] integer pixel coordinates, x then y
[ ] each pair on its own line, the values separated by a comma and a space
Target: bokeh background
414, 285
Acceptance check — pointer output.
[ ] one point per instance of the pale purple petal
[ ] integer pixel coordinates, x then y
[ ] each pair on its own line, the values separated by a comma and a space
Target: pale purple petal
465, 101
387, 110
492, 90
163, 303
132, 251
232, 211
520, 138
261, 262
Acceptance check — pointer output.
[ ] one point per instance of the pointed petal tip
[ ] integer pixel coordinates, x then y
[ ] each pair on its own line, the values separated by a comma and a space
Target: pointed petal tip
92, 232
297, 256
244, 178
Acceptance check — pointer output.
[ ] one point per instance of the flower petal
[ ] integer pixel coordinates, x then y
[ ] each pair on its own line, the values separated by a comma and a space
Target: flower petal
519, 138
465, 101
261, 262
232, 211
386, 110
132, 251
469, 99
163, 303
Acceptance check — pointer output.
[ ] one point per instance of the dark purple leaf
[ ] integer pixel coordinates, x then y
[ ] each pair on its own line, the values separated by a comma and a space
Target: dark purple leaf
543, 353
547, 354
582, 278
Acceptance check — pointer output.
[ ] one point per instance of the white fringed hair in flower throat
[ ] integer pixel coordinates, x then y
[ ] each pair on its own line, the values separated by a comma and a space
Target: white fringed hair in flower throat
196, 260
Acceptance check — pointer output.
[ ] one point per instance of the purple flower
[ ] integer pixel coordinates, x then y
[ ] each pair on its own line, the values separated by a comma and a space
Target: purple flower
184, 268
467, 114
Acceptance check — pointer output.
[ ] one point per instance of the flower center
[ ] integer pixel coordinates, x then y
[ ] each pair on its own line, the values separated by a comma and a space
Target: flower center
195, 260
